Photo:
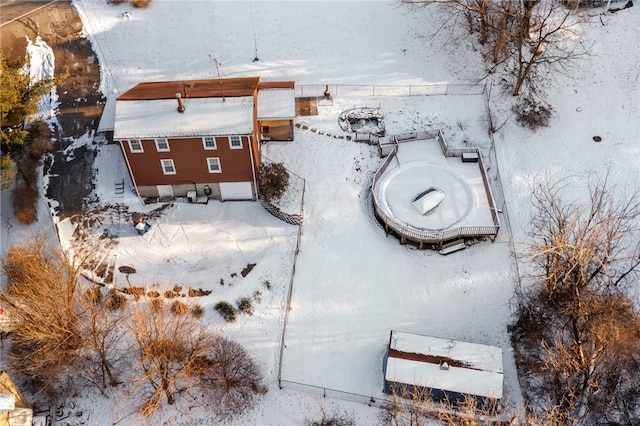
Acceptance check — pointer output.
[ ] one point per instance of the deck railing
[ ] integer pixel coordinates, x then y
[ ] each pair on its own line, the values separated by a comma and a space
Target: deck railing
407, 232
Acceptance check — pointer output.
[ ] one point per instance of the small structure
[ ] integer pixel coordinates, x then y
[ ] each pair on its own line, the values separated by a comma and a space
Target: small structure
199, 135
444, 369
15, 410
276, 110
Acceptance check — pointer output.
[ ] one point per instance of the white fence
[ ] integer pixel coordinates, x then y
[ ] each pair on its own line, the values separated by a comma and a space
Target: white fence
433, 89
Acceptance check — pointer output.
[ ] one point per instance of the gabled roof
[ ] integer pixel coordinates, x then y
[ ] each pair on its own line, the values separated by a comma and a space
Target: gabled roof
470, 368
211, 88
202, 117
212, 107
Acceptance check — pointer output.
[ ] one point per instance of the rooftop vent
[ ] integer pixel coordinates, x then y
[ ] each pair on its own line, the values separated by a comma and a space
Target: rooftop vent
181, 107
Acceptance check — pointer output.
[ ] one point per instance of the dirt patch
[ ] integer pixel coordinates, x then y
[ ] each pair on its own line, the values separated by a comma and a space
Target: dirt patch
80, 102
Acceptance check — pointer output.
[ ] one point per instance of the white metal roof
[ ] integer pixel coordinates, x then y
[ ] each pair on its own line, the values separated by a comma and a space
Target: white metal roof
481, 375
7, 402
108, 117
276, 104
202, 116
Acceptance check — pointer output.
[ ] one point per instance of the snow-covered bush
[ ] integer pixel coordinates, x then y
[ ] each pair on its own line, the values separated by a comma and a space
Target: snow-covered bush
226, 310
532, 115
245, 306
273, 180
179, 308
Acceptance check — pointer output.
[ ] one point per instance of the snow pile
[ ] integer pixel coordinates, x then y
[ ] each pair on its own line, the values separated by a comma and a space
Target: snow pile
41, 66
41, 60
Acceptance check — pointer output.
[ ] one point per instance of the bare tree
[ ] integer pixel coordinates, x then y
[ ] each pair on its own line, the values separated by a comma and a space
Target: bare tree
545, 43
578, 334
477, 13
103, 330
529, 39
169, 349
42, 294
180, 360
231, 378
415, 406
578, 244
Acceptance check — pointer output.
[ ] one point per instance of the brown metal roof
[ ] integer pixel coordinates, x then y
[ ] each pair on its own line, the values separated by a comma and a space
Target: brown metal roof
276, 85
213, 88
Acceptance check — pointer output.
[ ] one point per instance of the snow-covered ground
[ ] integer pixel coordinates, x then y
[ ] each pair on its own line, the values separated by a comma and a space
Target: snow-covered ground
41, 66
352, 283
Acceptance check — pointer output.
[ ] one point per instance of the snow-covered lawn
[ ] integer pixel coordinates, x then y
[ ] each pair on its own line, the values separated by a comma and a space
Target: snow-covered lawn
352, 283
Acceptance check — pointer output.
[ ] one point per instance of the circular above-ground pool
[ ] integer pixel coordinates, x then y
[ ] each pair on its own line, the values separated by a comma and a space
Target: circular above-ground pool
399, 188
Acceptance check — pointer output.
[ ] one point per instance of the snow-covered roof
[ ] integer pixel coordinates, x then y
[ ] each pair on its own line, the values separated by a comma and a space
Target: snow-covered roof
108, 117
276, 104
7, 402
473, 369
202, 116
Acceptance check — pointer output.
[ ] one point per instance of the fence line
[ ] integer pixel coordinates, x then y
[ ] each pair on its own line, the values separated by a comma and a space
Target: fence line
494, 158
290, 290
431, 409
369, 400
430, 89
291, 219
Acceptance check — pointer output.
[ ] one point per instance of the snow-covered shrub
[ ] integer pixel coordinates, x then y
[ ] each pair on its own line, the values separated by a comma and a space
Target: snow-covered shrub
25, 198
226, 310
156, 304
233, 380
532, 115
332, 419
140, 4
39, 140
273, 180
179, 308
197, 311
116, 300
245, 305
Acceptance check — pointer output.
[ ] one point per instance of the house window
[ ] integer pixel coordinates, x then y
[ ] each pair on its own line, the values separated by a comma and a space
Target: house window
135, 145
235, 142
162, 145
168, 168
214, 165
209, 142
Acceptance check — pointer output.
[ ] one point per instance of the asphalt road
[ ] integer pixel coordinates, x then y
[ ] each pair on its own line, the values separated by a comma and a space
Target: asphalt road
80, 102
10, 10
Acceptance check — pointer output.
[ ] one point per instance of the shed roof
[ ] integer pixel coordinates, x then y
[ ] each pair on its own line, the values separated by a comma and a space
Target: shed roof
474, 369
135, 119
210, 88
276, 104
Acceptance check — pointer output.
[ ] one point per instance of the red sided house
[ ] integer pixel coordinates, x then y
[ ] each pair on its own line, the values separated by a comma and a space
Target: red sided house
182, 136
